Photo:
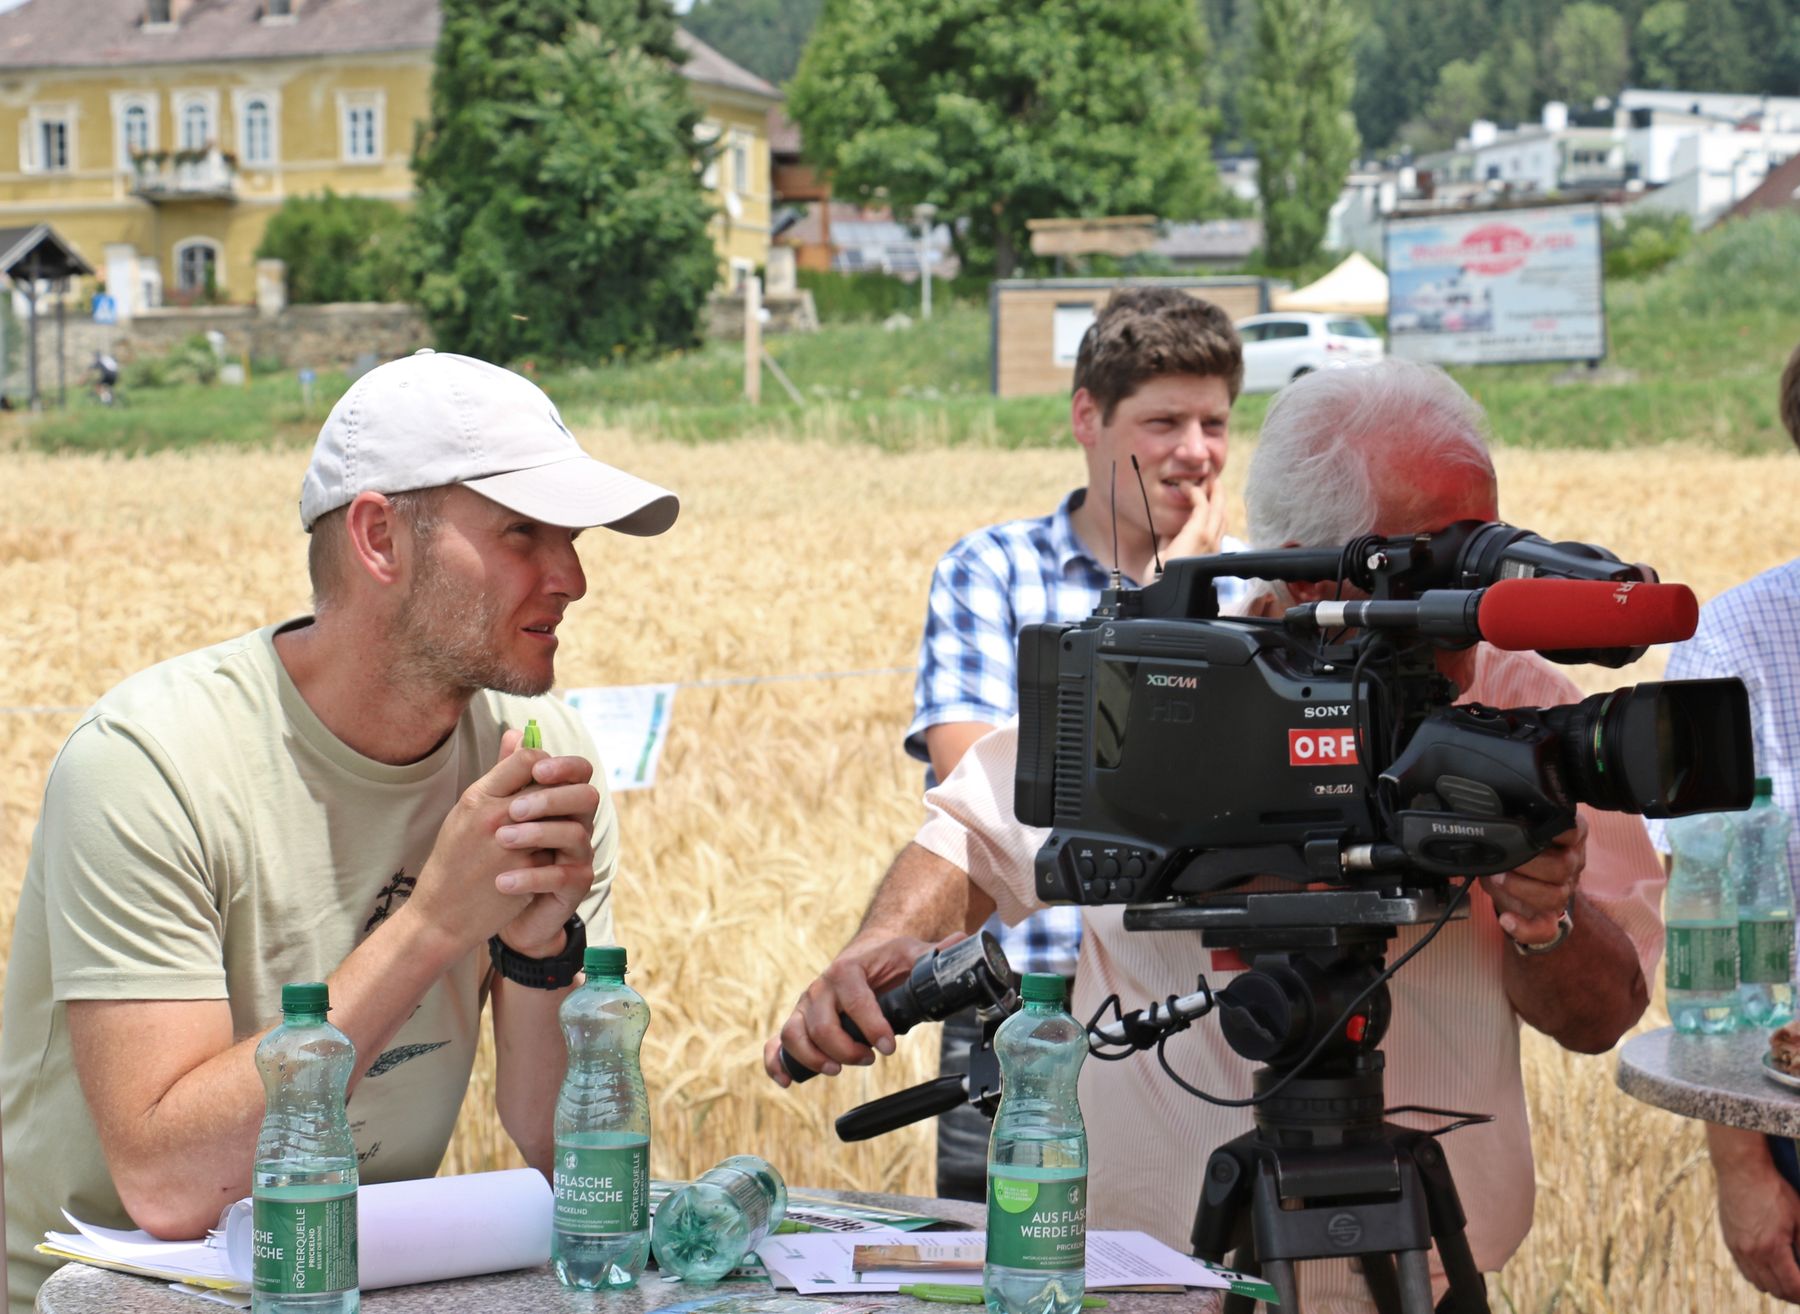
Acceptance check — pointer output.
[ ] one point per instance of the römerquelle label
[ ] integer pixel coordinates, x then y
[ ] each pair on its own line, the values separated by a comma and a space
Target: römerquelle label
304, 1247
1765, 951
1702, 958
1037, 1225
603, 1189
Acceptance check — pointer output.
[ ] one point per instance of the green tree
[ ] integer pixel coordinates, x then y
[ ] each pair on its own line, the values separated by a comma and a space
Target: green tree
1000, 114
1297, 114
340, 248
1457, 102
765, 36
1718, 50
1230, 35
560, 209
1405, 44
1700, 45
1509, 80
1661, 34
1588, 56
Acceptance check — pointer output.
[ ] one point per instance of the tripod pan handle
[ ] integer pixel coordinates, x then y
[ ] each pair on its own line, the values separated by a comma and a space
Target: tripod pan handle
926, 1100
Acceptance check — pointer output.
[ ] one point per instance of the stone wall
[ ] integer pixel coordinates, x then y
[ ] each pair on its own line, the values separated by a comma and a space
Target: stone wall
792, 312
298, 337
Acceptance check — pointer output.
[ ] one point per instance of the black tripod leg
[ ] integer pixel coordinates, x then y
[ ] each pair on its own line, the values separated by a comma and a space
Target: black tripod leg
1384, 1287
1279, 1273
1467, 1292
1221, 1221
1415, 1281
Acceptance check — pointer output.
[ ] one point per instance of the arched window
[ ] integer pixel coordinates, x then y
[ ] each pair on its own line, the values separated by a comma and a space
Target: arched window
196, 126
196, 265
258, 142
137, 129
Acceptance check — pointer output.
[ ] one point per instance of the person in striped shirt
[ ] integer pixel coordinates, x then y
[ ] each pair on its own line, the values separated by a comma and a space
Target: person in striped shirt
1565, 944
1753, 632
1155, 378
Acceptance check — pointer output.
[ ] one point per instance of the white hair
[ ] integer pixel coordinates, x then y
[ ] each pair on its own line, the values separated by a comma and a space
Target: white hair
1334, 437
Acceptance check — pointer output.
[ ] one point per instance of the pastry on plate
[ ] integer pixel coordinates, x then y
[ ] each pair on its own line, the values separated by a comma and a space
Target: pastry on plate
1784, 1048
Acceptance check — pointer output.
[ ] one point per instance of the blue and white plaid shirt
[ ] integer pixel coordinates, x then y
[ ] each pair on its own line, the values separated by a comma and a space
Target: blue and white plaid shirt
986, 589
1753, 632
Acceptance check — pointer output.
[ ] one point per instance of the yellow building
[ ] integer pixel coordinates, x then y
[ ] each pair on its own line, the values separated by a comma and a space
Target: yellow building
158, 136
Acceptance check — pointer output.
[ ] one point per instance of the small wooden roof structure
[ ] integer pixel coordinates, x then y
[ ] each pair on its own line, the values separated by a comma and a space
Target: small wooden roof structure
30, 256
37, 252
1356, 287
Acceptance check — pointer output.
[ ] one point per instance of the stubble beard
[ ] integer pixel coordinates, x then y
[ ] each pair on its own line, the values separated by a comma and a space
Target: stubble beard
444, 637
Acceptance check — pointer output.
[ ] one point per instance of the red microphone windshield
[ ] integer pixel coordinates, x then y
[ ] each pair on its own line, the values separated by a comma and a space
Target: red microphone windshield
1550, 614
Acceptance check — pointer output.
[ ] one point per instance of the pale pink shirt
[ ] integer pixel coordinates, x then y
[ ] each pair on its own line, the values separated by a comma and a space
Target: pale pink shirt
1453, 1043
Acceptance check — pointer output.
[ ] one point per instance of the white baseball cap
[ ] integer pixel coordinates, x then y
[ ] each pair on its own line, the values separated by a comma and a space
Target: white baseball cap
434, 418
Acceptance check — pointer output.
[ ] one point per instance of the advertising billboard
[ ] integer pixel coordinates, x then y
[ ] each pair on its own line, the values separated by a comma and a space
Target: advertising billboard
1496, 287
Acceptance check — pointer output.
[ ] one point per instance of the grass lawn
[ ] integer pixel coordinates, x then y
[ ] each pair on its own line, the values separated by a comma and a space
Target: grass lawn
1695, 354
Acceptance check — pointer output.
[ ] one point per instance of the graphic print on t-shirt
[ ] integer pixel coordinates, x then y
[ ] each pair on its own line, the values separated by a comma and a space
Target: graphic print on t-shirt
391, 894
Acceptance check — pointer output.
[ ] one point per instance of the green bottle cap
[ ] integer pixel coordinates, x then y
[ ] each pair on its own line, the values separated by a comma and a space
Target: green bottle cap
604, 960
534, 738
305, 997
1765, 787
1042, 988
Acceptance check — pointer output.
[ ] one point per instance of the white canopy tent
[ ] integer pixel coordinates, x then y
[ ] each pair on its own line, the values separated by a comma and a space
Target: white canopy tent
1356, 287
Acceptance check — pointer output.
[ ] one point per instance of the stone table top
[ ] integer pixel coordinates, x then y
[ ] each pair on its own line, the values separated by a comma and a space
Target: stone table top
82, 1289
1716, 1078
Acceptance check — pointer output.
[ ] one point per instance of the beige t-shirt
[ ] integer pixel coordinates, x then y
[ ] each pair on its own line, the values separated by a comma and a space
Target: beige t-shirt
204, 836
1453, 1042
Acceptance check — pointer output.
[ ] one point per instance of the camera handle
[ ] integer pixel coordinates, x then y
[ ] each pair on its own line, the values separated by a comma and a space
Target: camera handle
979, 1086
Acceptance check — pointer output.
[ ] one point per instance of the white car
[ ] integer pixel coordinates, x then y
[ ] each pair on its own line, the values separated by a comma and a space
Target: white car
1279, 348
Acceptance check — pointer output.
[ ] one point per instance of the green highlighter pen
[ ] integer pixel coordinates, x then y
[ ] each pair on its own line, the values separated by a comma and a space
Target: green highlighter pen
534, 738
939, 1293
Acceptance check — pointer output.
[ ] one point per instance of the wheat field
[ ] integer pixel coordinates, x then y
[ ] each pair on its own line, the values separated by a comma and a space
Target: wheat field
779, 804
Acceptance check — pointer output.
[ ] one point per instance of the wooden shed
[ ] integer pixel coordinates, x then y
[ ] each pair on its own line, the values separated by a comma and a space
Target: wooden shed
1035, 325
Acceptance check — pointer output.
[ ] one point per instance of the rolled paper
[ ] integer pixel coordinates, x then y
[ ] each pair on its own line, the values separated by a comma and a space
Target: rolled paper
434, 1228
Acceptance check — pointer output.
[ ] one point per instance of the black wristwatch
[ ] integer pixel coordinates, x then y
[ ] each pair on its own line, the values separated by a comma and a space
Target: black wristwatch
543, 973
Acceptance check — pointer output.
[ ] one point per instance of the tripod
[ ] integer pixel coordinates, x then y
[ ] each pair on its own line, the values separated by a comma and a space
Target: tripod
1323, 1175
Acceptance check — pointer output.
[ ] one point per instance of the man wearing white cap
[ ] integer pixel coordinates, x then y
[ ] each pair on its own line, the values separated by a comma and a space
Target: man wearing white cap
340, 797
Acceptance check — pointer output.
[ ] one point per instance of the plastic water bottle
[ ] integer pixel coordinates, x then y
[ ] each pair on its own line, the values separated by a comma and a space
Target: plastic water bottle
303, 1194
704, 1230
602, 1174
1700, 910
1765, 911
1037, 1160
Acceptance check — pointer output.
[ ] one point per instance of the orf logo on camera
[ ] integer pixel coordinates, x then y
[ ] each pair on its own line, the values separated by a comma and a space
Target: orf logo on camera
1324, 746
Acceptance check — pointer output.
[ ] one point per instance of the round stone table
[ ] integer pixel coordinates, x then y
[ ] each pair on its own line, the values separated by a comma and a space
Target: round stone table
1715, 1078
81, 1289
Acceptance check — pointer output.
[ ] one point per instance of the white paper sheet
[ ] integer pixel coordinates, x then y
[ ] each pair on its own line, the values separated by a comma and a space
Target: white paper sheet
139, 1252
435, 1228
629, 724
821, 1263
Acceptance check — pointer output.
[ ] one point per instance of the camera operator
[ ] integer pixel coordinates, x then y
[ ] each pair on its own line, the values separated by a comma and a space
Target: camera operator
1155, 378
1565, 943
1753, 632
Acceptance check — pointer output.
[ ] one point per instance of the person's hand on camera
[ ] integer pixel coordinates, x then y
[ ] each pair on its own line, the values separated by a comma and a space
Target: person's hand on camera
1531, 899
814, 1037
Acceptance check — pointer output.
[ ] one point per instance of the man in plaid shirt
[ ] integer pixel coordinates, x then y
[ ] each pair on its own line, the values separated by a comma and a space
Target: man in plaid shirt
1753, 632
1155, 378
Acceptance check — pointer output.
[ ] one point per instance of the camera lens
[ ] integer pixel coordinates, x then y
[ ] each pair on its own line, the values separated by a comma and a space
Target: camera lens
1659, 749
